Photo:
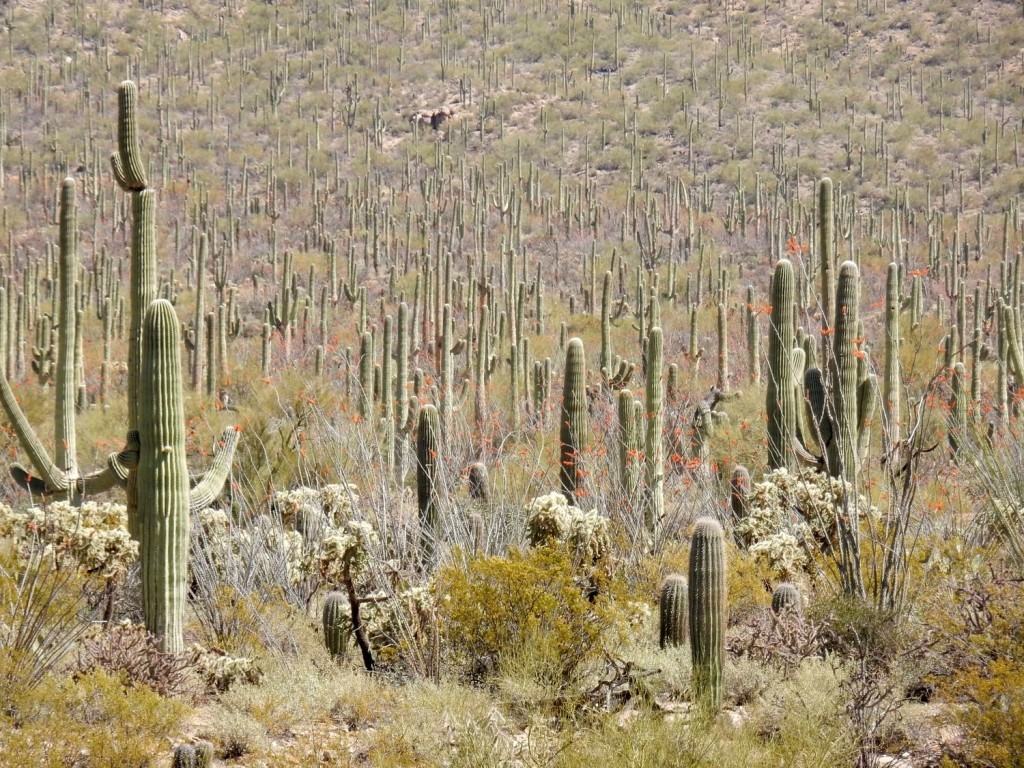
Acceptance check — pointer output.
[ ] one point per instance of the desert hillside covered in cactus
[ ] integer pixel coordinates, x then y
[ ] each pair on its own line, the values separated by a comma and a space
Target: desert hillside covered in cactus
522, 384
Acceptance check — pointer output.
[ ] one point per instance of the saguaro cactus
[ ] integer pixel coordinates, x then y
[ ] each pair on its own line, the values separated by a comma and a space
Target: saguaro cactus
707, 601
653, 449
629, 444
891, 386
428, 443
574, 422
780, 402
60, 476
163, 479
672, 625
336, 623
843, 376
786, 599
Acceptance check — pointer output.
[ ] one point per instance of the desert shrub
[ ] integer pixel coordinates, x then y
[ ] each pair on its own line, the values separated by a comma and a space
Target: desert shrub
43, 613
129, 651
95, 721
527, 605
987, 682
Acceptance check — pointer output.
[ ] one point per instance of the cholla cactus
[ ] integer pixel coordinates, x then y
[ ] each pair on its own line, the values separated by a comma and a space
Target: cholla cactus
220, 671
788, 512
345, 553
551, 518
93, 537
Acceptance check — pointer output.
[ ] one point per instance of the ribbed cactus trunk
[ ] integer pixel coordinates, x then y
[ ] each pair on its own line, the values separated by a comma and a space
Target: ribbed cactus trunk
844, 399
143, 292
163, 484
843, 377
827, 258
957, 420
606, 325
707, 612
336, 624
654, 511
64, 421
723, 348
574, 422
780, 402
199, 337
402, 426
891, 388
786, 599
672, 623
630, 463
428, 444
739, 493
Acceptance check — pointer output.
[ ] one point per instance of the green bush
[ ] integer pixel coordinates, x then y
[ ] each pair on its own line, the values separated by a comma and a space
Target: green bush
524, 612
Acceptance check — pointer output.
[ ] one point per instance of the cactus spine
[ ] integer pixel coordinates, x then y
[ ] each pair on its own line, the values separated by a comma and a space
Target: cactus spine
780, 403
574, 426
707, 601
672, 624
163, 479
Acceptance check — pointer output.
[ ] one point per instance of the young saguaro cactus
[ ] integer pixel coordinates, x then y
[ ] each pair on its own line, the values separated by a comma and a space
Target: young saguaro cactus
336, 623
780, 402
574, 421
672, 624
163, 479
786, 598
707, 600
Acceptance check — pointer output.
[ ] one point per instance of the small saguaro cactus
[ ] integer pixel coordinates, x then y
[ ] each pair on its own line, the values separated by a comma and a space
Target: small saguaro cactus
163, 479
707, 601
193, 755
786, 599
574, 426
336, 623
428, 442
739, 492
479, 486
780, 402
672, 626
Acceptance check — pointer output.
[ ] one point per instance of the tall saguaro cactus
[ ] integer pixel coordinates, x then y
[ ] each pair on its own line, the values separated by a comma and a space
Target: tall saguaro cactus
780, 402
163, 478
654, 510
891, 386
574, 426
843, 375
707, 600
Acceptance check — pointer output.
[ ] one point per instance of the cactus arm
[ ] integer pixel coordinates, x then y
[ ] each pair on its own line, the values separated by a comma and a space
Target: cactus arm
50, 474
206, 491
128, 168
